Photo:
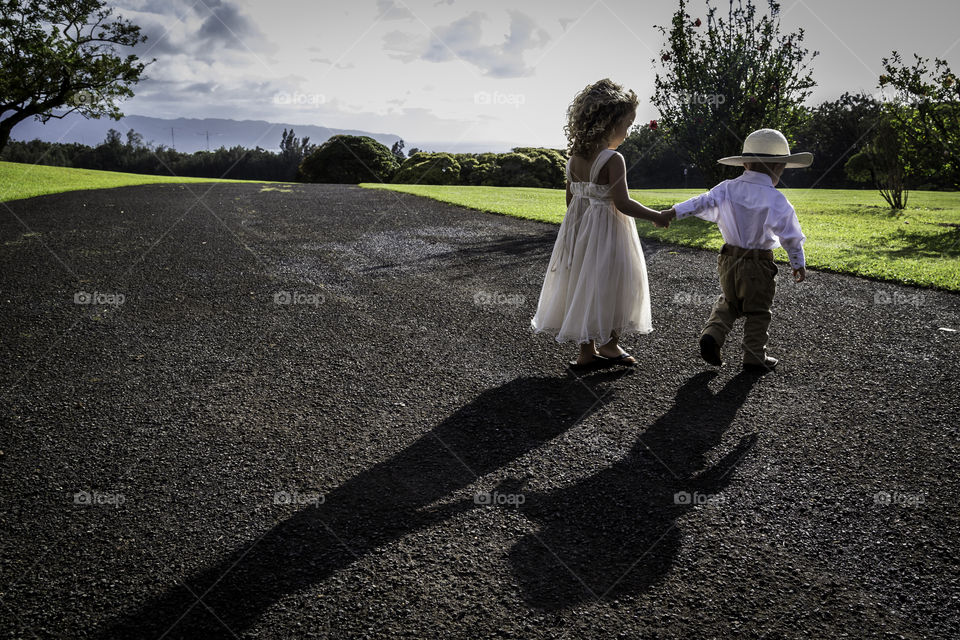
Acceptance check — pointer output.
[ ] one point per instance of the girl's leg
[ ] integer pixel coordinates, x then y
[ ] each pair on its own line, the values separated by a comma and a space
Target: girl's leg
588, 352
612, 348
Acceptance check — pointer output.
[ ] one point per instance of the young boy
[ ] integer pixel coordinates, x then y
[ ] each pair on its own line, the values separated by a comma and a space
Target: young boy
754, 218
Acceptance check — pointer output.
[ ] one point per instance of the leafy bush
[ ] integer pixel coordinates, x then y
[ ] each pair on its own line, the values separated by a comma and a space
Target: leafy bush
523, 167
476, 168
347, 159
534, 167
428, 168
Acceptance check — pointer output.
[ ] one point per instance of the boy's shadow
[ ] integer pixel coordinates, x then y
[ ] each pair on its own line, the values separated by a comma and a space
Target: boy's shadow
376, 507
615, 533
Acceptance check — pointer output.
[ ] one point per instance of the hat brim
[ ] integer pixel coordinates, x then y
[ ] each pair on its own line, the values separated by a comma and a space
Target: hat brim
793, 161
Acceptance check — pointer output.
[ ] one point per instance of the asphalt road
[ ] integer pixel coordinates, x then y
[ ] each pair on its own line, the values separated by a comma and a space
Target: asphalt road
319, 412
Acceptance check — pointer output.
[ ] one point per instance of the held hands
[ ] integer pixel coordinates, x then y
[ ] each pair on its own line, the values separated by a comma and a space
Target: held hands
799, 275
666, 216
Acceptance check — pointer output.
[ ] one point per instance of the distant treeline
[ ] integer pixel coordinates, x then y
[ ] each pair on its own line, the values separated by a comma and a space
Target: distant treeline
132, 155
833, 131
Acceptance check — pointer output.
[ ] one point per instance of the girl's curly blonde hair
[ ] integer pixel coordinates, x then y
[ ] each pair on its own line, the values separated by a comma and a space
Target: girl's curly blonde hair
593, 113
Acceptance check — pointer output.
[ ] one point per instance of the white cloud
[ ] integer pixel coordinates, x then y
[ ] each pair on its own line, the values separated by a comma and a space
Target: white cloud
413, 67
462, 39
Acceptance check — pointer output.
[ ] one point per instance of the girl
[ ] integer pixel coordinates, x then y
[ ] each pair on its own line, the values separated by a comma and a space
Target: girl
595, 289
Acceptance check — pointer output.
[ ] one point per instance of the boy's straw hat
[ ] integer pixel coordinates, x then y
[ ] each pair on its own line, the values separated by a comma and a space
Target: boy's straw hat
769, 146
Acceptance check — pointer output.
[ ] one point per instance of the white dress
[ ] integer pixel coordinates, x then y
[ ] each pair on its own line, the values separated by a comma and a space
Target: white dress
597, 279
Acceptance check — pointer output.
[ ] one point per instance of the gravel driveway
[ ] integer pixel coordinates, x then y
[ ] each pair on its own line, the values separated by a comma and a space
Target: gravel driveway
319, 412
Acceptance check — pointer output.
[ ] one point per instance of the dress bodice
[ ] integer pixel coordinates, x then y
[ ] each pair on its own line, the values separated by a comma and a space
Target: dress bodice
593, 191
596, 193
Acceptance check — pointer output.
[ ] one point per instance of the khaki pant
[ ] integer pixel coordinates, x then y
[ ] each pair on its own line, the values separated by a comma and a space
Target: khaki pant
748, 282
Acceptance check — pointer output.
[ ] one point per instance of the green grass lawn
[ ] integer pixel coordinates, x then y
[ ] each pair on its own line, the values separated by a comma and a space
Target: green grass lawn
847, 231
27, 180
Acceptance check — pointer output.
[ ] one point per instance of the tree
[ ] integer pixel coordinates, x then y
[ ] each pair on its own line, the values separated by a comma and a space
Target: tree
882, 161
719, 83
926, 110
397, 151
56, 53
834, 131
345, 159
293, 149
651, 162
135, 141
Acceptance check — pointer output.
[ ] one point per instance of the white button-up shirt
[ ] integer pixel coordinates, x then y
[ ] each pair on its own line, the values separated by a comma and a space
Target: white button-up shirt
751, 214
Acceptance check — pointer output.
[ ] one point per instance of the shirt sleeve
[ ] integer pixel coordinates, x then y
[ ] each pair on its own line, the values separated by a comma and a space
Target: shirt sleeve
706, 206
786, 226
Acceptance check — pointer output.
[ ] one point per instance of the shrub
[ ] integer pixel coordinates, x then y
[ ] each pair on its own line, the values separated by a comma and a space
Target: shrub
546, 166
523, 167
428, 168
347, 159
476, 168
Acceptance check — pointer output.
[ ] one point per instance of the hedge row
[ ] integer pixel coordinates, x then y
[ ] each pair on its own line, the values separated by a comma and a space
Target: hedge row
354, 159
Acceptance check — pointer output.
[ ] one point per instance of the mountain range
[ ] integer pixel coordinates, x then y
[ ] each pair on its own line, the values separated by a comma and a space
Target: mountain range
195, 134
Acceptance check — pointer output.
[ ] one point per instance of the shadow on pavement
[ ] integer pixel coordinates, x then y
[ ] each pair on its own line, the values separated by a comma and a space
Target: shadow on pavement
498, 254
615, 533
378, 506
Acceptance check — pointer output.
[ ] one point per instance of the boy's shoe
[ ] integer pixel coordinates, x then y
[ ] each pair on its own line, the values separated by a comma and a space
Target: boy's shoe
710, 350
755, 367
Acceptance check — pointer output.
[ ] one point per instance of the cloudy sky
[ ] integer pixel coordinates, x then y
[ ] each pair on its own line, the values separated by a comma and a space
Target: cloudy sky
460, 70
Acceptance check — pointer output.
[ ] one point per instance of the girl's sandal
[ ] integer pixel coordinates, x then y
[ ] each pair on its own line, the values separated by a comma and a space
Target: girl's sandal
624, 359
597, 362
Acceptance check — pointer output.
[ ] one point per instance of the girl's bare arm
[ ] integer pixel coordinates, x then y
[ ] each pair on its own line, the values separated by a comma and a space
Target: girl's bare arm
621, 198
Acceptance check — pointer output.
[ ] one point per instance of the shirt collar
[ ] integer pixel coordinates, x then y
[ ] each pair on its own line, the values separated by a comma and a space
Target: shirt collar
755, 177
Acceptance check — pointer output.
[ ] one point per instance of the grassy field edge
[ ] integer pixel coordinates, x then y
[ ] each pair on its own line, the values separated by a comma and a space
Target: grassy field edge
850, 234
20, 181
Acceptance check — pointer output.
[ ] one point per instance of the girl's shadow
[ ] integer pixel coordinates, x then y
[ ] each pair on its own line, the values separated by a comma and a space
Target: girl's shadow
376, 507
615, 533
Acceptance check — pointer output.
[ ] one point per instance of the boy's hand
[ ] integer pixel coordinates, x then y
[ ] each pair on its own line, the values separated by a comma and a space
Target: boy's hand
663, 221
799, 275
670, 213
